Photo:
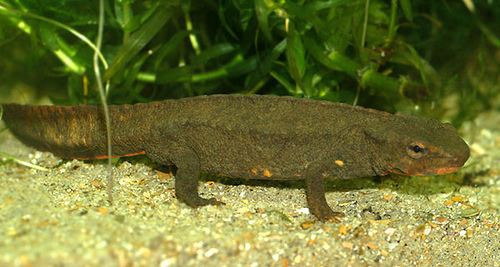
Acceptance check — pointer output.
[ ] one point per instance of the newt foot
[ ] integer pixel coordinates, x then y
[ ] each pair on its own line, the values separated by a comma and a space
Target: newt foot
329, 215
215, 202
200, 202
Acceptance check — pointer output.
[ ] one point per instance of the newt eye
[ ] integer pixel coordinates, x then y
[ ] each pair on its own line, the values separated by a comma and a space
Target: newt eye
416, 150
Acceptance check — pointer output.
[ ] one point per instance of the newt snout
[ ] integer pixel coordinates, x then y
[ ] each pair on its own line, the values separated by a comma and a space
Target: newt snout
454, 163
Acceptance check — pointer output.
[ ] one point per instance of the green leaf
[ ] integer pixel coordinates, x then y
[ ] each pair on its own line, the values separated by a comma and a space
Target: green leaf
60, 48
407, 10
222, 10
330, 19
391, 32
343, 63
240, 67
386, 84
295, 54
315, 6
408, 55
236, 67
180, 74
139, 39
331, 59
262, 9
284, 81
173, 45
215, 51
265, 65
123, 13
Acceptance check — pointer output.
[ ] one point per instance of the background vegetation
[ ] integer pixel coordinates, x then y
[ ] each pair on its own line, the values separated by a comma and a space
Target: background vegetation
430, 56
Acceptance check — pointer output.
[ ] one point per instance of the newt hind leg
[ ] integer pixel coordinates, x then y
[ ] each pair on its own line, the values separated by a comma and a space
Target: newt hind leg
187, 175
186, 182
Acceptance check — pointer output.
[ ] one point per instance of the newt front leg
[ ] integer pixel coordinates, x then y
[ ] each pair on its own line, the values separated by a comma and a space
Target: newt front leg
315, 194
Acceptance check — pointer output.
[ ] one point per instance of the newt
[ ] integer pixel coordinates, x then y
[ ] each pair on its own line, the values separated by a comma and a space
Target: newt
249, 137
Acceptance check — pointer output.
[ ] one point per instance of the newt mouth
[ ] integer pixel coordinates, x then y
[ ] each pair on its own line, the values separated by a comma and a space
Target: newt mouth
436, 171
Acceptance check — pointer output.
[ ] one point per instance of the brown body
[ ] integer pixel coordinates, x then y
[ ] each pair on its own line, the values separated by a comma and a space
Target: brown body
252, 137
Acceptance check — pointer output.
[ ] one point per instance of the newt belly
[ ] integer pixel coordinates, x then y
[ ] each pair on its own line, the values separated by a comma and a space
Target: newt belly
115, 156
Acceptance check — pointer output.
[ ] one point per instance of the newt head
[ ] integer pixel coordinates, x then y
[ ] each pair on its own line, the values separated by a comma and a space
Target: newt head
417, 146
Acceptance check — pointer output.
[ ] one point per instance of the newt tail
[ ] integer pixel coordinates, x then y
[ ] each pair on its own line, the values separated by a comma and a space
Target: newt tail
75, 132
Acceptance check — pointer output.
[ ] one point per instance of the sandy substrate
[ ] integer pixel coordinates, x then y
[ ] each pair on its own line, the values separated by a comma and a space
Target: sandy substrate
62, 217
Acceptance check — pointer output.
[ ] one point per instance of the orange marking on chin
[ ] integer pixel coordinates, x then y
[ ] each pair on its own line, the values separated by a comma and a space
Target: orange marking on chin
446, 170
439, 171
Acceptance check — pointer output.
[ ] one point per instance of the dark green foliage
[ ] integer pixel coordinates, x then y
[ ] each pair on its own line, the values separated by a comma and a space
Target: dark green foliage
384, 54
